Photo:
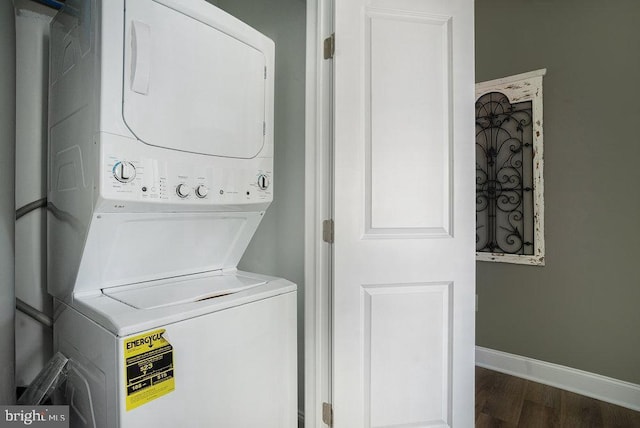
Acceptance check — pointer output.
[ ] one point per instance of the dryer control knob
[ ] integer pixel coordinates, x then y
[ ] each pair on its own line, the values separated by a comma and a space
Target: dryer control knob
263, 181
124, 171
182, 190
202, 191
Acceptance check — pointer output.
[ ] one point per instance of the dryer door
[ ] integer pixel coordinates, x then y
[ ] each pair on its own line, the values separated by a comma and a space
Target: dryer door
196, 79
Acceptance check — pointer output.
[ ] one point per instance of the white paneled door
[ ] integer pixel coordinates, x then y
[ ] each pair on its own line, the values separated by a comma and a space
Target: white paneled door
404, 295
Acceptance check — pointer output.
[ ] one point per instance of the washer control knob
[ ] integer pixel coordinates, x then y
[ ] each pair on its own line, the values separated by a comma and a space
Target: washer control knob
202, 191
182, 190
263, 181
124, 171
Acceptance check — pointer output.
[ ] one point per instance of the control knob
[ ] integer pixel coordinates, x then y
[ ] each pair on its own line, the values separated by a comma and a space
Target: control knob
202, 191
263, 181
124, 171
182, 190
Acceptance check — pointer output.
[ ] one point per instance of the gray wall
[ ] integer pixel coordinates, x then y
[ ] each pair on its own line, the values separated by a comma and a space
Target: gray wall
278, 246
582, 309
7, 200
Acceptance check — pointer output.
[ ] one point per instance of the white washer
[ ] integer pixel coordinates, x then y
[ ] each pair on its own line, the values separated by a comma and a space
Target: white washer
160, 171
223, 362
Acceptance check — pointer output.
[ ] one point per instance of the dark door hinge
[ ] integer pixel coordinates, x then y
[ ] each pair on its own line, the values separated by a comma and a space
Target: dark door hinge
329, 46
327, 414
327, 231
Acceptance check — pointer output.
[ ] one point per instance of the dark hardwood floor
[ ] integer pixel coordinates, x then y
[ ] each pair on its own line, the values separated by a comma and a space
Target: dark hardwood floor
508, 401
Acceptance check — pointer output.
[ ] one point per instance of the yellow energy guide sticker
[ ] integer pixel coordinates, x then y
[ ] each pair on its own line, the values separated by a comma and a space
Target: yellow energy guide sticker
148, 361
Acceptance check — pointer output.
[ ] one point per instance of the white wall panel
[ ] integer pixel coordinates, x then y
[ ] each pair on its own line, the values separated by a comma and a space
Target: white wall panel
408, 123
407, 328
33, 341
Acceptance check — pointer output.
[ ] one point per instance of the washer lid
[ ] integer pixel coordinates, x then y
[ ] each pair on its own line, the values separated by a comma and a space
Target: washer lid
122, 319
176, 291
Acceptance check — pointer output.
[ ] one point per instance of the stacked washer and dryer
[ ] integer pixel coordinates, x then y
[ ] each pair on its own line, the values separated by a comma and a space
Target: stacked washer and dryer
160, 170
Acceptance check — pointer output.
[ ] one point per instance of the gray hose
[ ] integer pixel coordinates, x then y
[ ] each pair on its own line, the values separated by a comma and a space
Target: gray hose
31, 206
32, 312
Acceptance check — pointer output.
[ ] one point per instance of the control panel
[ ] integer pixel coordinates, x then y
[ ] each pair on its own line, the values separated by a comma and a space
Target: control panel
214, 183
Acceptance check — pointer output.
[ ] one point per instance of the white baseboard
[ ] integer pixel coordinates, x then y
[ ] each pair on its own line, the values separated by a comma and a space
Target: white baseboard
584, 383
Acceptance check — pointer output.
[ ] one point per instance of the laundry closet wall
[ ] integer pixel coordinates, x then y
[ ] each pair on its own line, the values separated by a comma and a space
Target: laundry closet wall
7, 202
33, 340
278, 245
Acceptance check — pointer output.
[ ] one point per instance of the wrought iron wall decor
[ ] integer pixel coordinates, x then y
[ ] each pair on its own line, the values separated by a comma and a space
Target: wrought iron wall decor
504, 182
509, 170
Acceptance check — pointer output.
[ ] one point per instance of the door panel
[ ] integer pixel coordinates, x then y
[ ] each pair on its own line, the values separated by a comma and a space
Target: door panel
407, 124
414, 362
403, 285
220, 109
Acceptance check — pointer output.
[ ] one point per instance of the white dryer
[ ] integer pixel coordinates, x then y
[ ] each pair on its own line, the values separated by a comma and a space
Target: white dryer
160, 170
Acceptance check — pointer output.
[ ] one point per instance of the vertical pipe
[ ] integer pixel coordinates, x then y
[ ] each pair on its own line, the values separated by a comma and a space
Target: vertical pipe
7, 201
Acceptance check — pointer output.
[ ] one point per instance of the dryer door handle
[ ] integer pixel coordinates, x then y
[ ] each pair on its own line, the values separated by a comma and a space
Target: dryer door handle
140, 57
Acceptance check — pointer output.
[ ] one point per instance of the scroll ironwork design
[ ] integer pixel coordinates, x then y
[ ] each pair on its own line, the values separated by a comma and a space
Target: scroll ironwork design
504, 179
